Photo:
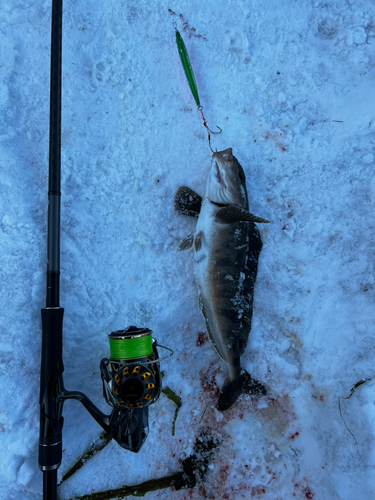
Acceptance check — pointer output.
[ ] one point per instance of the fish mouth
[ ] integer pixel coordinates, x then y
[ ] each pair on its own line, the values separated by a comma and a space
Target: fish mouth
219, 177
224, 186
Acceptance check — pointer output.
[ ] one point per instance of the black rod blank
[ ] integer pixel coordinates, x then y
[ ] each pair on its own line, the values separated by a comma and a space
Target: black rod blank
54, 179
51, 420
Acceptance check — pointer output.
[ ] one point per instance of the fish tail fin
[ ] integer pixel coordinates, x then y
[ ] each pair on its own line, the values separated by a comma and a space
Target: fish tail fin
251, 385
232, 389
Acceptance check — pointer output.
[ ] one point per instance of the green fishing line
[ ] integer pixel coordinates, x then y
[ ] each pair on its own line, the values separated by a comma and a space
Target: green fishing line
187, 67
130, 348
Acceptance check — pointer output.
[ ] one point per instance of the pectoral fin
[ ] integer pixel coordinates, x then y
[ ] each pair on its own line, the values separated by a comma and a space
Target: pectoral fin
198, 241
234, 213
186, 243
187, 202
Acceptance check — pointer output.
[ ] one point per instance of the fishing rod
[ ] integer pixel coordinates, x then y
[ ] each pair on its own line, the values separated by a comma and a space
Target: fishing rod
130, 376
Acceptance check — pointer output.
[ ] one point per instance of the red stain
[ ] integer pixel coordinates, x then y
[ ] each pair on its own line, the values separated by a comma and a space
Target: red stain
308, 493
201, 339
276, 138
273, 476
202, 491
258, 490
292, 437
207, 377
321, 397
240, 416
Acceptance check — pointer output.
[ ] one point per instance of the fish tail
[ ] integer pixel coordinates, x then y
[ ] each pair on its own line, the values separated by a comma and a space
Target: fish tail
232, 389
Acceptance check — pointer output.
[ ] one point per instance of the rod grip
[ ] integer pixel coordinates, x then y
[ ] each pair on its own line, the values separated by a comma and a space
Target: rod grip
51, 420
52, 331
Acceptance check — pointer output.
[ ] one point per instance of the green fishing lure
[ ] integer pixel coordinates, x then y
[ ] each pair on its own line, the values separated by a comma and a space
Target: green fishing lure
191, 80
187, 67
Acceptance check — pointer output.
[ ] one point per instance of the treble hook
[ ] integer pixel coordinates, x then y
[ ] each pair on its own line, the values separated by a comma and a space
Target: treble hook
209, 131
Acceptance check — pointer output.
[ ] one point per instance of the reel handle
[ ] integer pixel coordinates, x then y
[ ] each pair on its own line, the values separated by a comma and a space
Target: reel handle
128, 427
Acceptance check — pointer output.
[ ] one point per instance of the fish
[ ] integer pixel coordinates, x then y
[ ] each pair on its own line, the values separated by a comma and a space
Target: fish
226, 244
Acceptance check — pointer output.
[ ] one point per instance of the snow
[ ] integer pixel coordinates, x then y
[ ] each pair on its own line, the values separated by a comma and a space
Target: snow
291, 85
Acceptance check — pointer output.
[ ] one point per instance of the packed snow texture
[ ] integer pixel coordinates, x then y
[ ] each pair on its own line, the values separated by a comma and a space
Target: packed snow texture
291, 84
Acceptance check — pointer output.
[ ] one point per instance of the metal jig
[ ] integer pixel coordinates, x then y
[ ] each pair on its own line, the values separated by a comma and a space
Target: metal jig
191, 80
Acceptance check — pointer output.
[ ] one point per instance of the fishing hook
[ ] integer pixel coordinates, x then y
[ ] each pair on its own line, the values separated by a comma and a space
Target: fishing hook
209, 131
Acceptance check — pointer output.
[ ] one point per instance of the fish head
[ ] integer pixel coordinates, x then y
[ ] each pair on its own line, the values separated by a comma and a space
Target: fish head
226, 184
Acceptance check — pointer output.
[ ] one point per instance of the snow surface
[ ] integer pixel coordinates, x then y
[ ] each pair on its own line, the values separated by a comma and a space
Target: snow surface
292, 86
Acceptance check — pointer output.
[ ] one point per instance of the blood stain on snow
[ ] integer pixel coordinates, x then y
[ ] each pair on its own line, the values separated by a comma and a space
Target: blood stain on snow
258, 491
223, 472
208, 381
309, 494
276, 138
202, 491
293, 436
201, 339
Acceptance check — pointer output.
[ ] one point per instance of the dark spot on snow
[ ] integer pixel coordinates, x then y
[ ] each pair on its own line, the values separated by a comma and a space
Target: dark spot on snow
201, 339
308, 493
258, 490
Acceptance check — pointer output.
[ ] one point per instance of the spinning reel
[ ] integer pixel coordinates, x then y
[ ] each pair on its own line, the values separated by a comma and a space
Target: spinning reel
131, 383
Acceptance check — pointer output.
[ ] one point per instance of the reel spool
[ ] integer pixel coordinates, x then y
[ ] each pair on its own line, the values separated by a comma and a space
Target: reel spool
132, 371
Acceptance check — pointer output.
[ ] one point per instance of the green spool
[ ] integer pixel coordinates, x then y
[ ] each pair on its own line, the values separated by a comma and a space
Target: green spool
130, 346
